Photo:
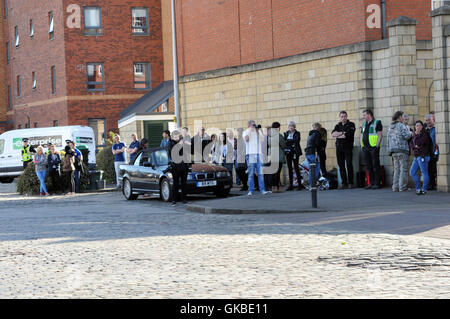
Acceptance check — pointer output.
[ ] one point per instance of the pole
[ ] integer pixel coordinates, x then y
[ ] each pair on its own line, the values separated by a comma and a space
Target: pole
313, 182
175, 67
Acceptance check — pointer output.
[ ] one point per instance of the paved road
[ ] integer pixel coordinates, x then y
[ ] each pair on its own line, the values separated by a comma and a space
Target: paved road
101, 246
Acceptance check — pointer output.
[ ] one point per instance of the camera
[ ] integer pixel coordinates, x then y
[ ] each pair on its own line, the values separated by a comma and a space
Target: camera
257, 126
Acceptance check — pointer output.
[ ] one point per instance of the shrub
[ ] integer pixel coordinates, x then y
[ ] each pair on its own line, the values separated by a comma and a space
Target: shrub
28, 183
105, 161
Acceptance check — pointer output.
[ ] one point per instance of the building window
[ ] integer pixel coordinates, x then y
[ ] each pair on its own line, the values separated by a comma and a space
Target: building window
53, 79
8, 56
92, 21
35, 124
139, 21
10, 97
19, 126
99, 127
27, 125
19, 86
16, 31
6, 9
142, 76
95, 77
51, 26
33, 76
31, 29
55, 123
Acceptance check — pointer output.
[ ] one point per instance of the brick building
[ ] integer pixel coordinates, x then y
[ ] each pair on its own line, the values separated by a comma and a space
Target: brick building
306, 60
79, 64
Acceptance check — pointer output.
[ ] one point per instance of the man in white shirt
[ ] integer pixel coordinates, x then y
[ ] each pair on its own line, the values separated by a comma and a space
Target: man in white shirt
254, 140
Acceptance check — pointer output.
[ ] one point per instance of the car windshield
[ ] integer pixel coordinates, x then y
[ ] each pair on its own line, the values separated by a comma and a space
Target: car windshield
161, 158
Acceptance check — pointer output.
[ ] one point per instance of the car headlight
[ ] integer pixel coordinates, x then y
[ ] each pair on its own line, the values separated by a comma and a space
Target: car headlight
169, 175
190, 177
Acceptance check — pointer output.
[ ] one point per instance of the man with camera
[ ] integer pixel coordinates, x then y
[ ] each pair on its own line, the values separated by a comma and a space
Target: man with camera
254, 140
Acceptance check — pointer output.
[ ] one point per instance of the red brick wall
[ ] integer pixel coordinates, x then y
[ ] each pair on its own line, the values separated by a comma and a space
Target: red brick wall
217, 34
3, 84
70, 50
37, 55
417, 9
118, 49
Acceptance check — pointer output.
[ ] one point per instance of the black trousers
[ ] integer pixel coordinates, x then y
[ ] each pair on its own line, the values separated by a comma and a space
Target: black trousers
179, 173
55, 177
372, 158
322, 160
432, 172
345, 156
291, 160
243, 177
69, 182
276, 179
25, 164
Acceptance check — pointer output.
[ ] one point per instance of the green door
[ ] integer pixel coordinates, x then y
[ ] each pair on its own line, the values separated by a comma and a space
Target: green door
153, 132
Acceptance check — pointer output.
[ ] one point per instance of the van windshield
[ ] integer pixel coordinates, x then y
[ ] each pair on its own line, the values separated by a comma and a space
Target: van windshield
2, 146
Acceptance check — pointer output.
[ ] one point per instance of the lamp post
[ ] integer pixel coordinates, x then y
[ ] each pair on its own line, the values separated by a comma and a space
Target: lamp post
175, 67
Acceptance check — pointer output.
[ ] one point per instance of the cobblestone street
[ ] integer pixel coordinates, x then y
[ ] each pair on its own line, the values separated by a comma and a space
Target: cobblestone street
101, 246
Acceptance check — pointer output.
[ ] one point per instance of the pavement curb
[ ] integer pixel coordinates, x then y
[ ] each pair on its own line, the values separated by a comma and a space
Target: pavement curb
231, 211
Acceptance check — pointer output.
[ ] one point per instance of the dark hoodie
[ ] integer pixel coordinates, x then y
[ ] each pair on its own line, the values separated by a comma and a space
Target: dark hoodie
313, 144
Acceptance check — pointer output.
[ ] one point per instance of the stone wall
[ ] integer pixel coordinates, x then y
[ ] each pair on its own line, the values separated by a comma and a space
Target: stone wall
386, 76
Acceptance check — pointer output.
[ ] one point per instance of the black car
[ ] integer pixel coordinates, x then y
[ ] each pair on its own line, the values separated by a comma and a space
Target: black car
148, 174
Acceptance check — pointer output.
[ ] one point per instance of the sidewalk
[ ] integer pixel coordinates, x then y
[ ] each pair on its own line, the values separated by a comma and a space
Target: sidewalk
331, 200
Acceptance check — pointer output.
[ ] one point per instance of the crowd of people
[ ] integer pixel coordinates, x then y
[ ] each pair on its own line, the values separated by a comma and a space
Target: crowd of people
257, 155
65, 173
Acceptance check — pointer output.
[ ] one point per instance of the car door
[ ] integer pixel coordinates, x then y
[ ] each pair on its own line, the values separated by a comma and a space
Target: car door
146, 172
132, 171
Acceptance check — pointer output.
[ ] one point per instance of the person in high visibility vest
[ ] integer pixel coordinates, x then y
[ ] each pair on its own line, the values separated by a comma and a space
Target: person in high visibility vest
27, 152
371, 136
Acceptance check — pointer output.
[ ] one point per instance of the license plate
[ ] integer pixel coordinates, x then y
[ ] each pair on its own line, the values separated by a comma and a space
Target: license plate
206, 183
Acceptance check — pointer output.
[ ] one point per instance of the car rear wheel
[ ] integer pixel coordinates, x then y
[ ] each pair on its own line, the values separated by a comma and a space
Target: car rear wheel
165, 191
128, 190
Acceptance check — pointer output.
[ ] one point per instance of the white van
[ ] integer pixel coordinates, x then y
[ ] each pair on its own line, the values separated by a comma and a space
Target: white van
11, 164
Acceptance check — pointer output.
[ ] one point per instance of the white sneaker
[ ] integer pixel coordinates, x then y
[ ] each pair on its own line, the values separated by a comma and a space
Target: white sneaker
250, 194
266, 192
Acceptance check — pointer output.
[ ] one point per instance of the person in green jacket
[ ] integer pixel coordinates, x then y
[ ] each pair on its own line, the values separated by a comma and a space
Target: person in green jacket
276, 127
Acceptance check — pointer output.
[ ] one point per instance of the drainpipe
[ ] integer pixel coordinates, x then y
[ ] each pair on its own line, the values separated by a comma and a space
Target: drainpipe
383, 19
175, 67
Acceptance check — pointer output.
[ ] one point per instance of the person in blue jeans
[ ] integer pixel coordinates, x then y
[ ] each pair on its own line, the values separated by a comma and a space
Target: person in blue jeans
40, 162
254, 139
312, 148
420, 147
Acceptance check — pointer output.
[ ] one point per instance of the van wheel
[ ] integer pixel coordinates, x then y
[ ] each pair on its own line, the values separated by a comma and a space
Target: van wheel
7, 180
165, 191
128, 190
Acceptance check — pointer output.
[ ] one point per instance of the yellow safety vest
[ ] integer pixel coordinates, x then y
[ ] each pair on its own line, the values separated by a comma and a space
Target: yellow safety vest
26, 154
373, 136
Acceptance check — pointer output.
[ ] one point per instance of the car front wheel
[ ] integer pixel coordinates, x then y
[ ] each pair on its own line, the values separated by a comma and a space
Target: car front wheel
7, 180
223, 193
165, 190
128, 190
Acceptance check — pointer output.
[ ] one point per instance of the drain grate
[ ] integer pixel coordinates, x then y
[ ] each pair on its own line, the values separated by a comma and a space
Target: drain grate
407, 261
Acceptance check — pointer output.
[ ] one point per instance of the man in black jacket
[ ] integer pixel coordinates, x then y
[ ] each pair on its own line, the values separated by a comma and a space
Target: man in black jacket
179, 166
312, 148
293, 152
344, 132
